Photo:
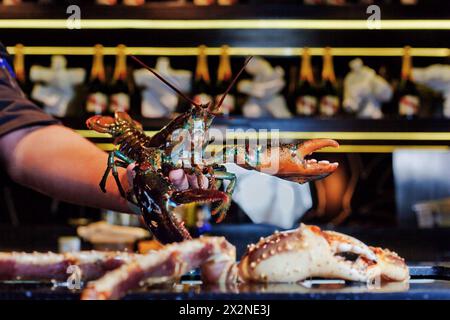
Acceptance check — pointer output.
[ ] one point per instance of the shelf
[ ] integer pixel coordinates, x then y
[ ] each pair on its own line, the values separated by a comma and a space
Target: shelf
437, 126
354, 135
258, 10
241, 26
235, 51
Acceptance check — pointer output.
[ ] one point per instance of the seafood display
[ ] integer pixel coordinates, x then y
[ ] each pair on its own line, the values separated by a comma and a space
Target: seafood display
158, 155
284, 257
310, 252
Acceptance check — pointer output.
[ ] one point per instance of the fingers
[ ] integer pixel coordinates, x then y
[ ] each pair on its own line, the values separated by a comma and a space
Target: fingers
197, 182
183, 181
179, 179
130, 173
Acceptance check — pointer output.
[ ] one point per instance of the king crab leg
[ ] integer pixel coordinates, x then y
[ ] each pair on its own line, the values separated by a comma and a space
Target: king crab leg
53, 266
214, 255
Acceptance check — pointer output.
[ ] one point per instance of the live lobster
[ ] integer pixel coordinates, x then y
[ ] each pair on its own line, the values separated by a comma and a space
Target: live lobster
156, 156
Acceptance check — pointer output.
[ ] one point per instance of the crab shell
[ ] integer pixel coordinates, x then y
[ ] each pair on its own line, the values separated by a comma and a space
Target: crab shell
308, 251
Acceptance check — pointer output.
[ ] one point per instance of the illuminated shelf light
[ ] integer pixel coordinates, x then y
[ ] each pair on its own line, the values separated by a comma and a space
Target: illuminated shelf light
314, 24
418, 136
341, 149
235, 51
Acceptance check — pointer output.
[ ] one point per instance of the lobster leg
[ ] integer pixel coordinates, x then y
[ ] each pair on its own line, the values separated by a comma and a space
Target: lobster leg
203, 196
198, 196
225, 205
112, 165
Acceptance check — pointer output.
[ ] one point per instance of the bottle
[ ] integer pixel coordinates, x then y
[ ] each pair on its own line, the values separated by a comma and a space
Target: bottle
227, 2
306, 93
120, 92
203, 2
97, 99
202, 82
407, 93
329, 99
19, 67
224, 79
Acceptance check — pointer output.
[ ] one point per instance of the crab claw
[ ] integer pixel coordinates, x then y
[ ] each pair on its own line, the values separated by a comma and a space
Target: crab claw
342, 243
306, 252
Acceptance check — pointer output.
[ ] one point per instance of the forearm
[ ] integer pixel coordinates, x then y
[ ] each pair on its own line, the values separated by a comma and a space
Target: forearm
58, 162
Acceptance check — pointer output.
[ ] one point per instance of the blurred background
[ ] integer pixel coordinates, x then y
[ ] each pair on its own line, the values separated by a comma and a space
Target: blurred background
373, 75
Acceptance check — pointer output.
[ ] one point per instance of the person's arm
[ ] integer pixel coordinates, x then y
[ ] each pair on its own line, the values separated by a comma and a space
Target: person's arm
58, 162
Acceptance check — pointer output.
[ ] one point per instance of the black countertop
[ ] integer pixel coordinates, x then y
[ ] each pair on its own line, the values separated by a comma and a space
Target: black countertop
426, 283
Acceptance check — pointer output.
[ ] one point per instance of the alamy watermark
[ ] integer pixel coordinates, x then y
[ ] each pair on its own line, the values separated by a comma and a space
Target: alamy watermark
258, 149
74, 19
74, 279
374, 20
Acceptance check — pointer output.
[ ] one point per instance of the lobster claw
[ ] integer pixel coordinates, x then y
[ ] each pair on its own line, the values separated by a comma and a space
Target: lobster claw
289, 161
102, 124
106, 124
294, 166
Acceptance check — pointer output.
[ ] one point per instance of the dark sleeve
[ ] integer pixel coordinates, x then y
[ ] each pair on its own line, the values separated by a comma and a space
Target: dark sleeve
16, 111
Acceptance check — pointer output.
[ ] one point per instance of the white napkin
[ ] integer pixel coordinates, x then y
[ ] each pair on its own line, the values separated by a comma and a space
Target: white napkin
268, 199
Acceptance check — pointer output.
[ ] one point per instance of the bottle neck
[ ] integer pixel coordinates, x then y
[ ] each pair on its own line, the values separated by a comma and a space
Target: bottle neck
328, 68
202, 72
19, 64
224, 72
120, 71
98, 68
407, 67
306, 73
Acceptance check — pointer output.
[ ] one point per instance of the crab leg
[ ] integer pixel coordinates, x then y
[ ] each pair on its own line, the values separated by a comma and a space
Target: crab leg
37, 265
214, 255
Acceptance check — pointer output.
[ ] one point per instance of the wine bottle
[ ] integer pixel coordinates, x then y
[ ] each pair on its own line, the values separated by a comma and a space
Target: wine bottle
203, 2
19, 68
329, 99
97, 99
120, 91
202, 82
407, 93
306, 93
224, 78
227, 2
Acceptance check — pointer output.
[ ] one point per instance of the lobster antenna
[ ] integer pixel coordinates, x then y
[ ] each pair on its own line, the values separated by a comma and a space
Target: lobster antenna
233, 82
171, 86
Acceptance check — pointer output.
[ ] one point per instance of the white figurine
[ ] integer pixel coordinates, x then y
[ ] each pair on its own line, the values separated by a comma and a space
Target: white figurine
263, 91
57, 90
437, 77
158, 100
364, 91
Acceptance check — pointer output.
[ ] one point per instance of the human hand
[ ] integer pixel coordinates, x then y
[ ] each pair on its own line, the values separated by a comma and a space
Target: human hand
178, 177
183, 181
